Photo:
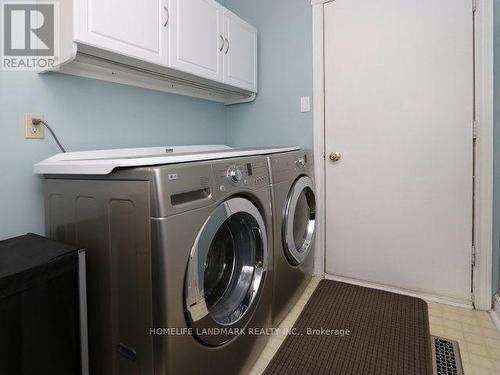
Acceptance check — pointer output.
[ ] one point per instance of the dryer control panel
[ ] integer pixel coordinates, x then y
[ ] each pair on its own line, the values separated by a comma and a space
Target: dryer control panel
250, 174
288, 166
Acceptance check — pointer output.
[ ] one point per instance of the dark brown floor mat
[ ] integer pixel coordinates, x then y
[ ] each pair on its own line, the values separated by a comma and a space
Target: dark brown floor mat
389, 334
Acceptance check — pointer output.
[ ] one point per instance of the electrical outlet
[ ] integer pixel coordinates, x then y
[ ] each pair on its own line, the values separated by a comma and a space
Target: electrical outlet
33, 131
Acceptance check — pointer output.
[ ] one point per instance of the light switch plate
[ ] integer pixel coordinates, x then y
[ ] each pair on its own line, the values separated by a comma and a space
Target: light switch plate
305, 104
33, 131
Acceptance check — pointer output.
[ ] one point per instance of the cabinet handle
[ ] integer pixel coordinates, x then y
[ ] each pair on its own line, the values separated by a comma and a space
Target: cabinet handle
227, 49
168, 16
223, 43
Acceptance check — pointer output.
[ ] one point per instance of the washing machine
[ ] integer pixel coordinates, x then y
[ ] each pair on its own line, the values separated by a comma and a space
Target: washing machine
179, 260
294, 222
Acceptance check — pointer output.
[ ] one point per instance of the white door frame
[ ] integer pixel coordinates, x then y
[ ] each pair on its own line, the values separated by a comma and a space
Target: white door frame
483, 226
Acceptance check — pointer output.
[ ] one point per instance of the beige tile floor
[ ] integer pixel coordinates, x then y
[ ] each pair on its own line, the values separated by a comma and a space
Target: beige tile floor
475, 332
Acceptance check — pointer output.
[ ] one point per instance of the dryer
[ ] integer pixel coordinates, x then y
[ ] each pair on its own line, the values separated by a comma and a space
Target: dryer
294, 222
179, 263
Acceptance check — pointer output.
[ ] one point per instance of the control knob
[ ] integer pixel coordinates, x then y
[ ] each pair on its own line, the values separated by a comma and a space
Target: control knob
300, 163
234, 174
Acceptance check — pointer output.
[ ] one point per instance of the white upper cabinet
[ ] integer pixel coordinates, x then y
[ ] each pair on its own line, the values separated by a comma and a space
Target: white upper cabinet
240, 52
188, 47
137, 29
196, 39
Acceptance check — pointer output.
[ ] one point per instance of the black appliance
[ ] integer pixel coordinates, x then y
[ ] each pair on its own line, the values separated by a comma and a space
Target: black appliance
43, 322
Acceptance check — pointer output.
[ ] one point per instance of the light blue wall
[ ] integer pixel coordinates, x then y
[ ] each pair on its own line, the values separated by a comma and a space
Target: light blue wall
496, 206
285, 74
86, 114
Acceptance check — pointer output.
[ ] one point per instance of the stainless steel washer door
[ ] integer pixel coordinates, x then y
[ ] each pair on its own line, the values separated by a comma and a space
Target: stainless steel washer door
226, 269
299, 221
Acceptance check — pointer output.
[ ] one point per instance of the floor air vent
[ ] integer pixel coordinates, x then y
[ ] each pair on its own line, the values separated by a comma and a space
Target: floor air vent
446, 357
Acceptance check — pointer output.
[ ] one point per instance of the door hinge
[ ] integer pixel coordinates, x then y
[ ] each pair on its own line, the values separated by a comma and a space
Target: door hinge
473, 256
474, 130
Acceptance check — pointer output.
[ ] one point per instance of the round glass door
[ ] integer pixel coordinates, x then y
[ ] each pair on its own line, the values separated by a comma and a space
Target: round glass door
299, 222
226, 270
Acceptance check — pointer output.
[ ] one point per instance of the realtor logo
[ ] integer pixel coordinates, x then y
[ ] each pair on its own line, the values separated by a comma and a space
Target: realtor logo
29, 31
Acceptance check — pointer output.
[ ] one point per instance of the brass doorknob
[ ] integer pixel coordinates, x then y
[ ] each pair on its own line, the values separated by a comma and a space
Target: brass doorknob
335, 156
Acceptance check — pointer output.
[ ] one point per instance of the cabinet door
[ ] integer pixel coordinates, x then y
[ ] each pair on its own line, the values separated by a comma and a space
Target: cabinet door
196, 38
240, 53
133, 28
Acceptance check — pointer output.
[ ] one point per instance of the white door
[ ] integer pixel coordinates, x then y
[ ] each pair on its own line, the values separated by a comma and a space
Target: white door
399, 109
240, 52
196, 37
137, 29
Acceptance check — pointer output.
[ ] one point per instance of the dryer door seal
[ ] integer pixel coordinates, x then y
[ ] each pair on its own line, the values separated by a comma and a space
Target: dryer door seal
299, 221
226, 271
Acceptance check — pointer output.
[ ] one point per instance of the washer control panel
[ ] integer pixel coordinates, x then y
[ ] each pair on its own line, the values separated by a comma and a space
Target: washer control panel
243, 173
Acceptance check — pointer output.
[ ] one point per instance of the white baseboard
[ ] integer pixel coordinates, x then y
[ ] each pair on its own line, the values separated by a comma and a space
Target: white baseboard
495, 312
424, 296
